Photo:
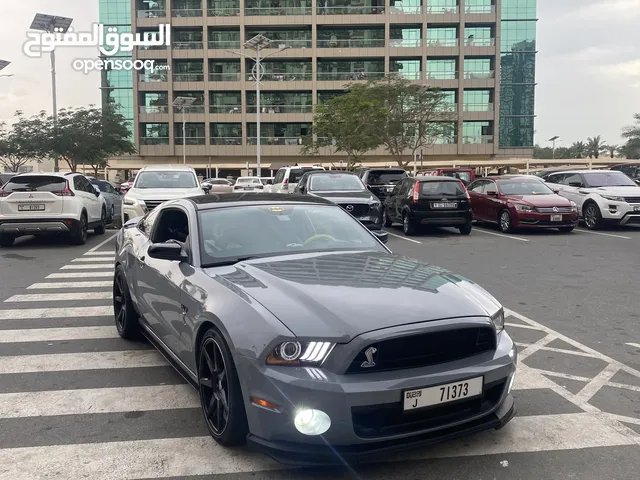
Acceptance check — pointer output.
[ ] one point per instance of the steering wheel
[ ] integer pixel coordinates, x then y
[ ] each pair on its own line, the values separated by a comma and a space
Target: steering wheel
318, 236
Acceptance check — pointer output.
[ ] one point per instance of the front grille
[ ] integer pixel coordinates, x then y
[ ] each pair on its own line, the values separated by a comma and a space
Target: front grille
357, 210
151, 204
425, 349
390, 419
634, 220
632, 199
551, 210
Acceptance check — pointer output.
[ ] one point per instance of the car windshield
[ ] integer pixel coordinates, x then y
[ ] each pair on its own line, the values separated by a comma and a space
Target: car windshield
521, 187
608, 179
296, 173
247, 180
35, 183
165, 179
453, 188
233, 233
335, 182
385, 177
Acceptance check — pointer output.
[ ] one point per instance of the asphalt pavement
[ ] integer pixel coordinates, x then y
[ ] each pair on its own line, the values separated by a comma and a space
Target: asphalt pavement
76, 401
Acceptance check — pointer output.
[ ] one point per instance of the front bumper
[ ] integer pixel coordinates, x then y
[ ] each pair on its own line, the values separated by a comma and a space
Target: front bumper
621, 213
543, 220
356, 403
132, 211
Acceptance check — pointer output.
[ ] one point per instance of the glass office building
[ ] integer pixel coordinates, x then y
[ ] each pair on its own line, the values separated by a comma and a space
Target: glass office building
481, 53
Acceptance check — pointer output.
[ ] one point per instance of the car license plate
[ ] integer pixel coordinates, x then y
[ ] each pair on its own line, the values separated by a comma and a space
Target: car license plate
556, 218
444, 205
450, 392
31, 207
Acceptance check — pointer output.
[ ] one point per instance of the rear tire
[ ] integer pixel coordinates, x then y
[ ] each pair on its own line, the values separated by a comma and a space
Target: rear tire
112, 214
466, 229
566, 229
386, 221
100, 229
79, 237
126, 317
407, 226
6, 241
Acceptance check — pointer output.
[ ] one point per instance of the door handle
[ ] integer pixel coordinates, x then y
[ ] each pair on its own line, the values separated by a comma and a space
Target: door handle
185, 310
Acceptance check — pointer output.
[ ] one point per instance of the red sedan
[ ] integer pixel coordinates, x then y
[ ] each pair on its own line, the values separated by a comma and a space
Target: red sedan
521, 201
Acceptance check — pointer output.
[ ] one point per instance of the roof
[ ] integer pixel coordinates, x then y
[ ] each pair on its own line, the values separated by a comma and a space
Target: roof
384, 169
212, 200
590, 171
435, 178
332, 172
533, 178
164, 168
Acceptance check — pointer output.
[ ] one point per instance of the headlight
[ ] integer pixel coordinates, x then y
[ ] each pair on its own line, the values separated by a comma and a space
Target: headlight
129, 201
526, 208
300, 353
574, 206
613, 198
498, 320
376, 205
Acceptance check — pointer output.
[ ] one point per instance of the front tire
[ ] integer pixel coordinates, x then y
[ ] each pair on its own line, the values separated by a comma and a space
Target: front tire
6, 241
505, 221
112, 214
407, 226
592, 216
386, 221
220, 393
100, 229
127, 320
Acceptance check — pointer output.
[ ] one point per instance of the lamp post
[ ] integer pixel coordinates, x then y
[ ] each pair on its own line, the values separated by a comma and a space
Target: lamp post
182, 103
52, 24
258, 43
553, 143
3, 65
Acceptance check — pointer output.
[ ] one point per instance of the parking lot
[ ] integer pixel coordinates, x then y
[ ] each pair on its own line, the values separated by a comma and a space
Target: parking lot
76, 401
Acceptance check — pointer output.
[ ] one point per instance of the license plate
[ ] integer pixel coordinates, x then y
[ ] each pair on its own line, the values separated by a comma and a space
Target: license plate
425, 397
556, 218
31, 207
444, 205
636, 208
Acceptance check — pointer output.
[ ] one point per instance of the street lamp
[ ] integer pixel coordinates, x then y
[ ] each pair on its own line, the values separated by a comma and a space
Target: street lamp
553, 148
3, 65
52, 24
182, 103
258, 43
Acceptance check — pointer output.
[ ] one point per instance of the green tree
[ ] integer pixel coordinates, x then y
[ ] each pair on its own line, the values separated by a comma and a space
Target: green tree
19, 144
578, 149
415, 116
612, 150
631, 149
595, 146
348, 123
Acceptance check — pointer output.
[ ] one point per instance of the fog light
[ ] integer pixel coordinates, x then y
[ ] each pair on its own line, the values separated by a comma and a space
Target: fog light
513, 378
312, 422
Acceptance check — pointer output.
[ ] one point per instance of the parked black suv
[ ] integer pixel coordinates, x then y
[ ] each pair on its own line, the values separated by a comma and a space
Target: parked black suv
381, 181
433, 201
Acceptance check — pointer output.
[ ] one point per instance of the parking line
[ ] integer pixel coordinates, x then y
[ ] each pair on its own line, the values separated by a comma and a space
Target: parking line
403, 238
102, 244
58, 285
636, 345
68, 312
57, 297
476, 229
603, 234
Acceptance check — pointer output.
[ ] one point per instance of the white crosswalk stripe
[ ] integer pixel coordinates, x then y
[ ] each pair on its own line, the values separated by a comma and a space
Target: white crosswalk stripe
60, 375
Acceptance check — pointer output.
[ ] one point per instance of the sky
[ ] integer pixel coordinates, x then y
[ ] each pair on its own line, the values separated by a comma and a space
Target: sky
588, 65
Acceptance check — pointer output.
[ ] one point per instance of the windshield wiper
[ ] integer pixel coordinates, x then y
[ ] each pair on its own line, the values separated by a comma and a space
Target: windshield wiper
231, 261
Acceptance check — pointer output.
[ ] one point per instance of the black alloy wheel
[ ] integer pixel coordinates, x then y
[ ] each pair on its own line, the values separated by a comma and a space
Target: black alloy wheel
407, 226
127, 320
80, 235
100, 229
220, 394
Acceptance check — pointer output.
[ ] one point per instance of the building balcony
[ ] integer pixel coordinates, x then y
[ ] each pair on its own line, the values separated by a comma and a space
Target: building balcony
154, 140
190, 109
186, 12
267, 141
190, 141
281, 108
406, 75
188, 77
225, 77
477, 140
153, 109
224, 44
405, 10
351, 10
351, 43
153, 77
223, 11
480, 42
480, 9
405, 43
442, 10
153, 13
283, 77
229, 141
193, 45
443, 42
479, 79
478, 107
225, 109
277, 11
341, 76
479, 75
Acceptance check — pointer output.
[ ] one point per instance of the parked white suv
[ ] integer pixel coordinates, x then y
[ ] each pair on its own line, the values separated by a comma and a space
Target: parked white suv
603, 196
157, 184
50, 203
287, 178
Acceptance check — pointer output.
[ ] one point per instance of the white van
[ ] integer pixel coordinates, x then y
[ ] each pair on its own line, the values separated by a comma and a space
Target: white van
287, 178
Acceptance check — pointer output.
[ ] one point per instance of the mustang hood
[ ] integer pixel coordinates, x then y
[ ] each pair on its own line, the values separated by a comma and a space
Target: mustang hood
342, 295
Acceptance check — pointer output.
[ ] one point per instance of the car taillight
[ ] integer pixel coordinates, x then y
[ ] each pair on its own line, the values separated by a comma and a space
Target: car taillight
285, 184
260, 187
4, 194
237, 187
416, 192
66, 192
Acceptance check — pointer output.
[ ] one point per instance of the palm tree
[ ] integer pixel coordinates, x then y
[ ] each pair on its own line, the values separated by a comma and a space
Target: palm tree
612, 149
595, 146
578, 149
632, 133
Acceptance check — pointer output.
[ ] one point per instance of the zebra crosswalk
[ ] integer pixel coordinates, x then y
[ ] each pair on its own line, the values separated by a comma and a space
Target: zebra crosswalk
77, 401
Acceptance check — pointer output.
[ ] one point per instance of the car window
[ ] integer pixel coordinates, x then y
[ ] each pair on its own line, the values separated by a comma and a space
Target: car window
453, 188
146, 224
247, 180
385, 177
296, 173
490, 187
328, 182
607, 179
523, 187
35, 183
279, 178
571, 178
466, 176
172, 224
102, 186
406, 185
266, 230
555, 178
165, 179
479, 186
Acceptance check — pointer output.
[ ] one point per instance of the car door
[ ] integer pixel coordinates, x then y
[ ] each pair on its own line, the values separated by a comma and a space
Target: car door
160, 281
390, 202
478, 199
493, 203
400, 198
115, 199
278, 181
94, 205
301, 187
133, 262
571, 188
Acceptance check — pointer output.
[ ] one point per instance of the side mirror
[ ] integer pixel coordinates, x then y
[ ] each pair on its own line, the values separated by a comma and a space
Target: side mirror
492, 193
168, 251
381, 235
637, 180
96, 192
206, 187
301, 188
575, 184
556, 190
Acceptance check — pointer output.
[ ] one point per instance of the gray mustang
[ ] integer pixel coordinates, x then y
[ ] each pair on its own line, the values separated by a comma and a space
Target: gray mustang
304, 335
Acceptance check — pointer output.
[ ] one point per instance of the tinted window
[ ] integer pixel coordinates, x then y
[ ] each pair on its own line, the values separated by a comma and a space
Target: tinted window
335, 182
441, 188
296, 173
166, 179
233, 232
40, 183
608, 179
279, 176
478, 187
570, 178
385, 177
103, 186
247, 180
219, 182
514, 187
555, 178
466, 176
147, 222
